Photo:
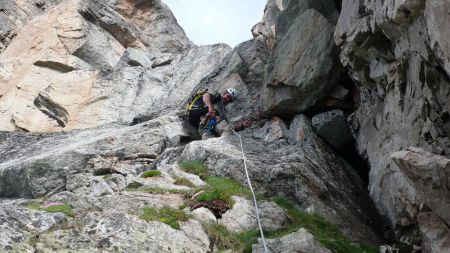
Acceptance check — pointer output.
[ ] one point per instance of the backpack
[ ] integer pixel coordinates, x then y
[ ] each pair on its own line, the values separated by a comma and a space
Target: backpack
195, 97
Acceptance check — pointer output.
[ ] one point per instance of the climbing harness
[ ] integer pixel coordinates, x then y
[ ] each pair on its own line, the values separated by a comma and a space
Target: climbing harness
251, 189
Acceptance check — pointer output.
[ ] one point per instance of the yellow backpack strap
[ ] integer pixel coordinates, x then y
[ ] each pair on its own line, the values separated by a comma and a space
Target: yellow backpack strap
197, 95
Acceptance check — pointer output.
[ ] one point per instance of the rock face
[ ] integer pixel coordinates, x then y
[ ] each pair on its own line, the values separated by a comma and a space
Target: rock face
428, 174
108, 78
102, 63
303, 65
296, 165
396, 54
15, 14
39, 164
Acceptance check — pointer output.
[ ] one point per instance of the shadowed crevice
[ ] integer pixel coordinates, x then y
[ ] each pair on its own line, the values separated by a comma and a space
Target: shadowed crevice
52, 110
56, 66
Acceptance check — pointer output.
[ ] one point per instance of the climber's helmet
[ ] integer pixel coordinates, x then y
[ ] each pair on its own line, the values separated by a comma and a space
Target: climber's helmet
229, 95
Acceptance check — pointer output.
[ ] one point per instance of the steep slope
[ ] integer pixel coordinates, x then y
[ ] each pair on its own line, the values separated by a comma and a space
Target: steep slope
109, 79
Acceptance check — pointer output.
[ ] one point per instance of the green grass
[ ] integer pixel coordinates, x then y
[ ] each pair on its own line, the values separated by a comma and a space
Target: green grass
195, 167
66, 209
325, 232
107, 176
221, 237
63, 208
156, 190
166, 215
183, 206
133, 186
221, 188
183, 181
216, 189
151, 173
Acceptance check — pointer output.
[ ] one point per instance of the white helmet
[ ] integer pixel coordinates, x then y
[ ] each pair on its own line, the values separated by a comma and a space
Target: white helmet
233, 92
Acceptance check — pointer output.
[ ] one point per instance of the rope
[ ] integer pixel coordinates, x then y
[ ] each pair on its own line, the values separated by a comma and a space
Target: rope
251, 189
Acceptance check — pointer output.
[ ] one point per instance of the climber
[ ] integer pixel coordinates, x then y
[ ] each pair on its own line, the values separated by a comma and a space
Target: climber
207, 112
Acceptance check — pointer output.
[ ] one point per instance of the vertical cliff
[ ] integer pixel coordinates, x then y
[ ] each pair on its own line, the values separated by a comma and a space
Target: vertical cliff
349, 101
396, 54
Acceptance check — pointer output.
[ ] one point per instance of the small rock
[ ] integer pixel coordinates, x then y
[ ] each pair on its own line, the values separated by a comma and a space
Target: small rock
276, 131
300, 241
339, 93
49, 220
117, 182
101, 165
204, 215
135, 57
242, 217
76, 181
127, 169
100, 187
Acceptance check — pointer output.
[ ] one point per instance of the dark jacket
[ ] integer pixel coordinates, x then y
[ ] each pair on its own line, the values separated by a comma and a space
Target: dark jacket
200, 109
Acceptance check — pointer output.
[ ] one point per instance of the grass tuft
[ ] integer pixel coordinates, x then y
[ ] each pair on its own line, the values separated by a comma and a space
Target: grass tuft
60, 208
66, 209
151, 173
184, 181
221, 237
133, 186
221, 188
107, 176
183, 206
157, 190
195, 167
166, 215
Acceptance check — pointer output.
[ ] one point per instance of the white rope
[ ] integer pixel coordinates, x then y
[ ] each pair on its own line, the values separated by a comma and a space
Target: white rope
251, 189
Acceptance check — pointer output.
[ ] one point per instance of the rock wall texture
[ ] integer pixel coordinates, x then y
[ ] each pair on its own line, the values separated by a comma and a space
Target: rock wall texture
396, 53
90, 98
16, 14
86, 63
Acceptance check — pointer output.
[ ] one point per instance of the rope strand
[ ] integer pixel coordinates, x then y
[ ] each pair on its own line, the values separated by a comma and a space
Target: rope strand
251, 189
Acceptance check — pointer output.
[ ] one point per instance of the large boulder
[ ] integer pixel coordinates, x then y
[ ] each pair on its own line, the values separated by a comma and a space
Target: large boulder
429, 175
300, 241
435, 233
303, 65
242, 217
332, 127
